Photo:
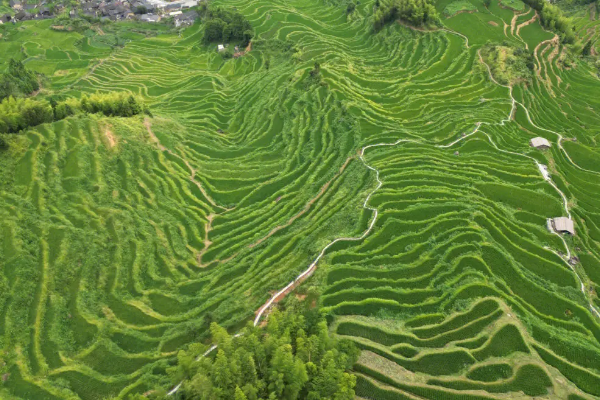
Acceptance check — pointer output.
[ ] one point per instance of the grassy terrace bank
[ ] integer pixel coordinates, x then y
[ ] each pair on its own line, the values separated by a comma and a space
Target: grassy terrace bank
122, 239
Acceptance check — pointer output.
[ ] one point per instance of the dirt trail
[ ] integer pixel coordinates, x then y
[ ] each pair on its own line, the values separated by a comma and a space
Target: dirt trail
98, 30
192, 177
306, 207
524, 24
513, 22
90, 72
209, 219
312, 267
553, 41
278, 296
241, 53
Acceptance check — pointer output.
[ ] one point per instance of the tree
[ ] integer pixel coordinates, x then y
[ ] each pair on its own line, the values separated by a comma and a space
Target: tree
279, 362
316, 70
587, 49
225, 26
213, 30
18, 80
487, 3
239, 394
415, 12
221, 375
345, 387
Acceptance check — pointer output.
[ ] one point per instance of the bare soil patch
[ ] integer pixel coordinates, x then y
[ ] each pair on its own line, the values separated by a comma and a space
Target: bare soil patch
110, 136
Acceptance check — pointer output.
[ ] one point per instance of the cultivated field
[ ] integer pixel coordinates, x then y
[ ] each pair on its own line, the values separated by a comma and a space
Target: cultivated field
121, 239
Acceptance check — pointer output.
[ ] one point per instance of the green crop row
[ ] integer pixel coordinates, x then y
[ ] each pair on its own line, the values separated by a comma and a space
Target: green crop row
529, 379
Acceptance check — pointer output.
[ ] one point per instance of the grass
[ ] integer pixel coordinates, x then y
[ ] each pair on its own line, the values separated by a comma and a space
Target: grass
457, 7
118, 256
513, 4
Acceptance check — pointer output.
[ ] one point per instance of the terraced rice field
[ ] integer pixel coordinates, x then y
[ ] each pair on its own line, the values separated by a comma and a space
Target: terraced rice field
121, 238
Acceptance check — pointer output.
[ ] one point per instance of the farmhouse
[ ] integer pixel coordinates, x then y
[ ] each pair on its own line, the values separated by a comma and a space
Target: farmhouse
172, 7
539, 143
149, 18
22, 16
220, 48
185, 19
15, 5
563, 225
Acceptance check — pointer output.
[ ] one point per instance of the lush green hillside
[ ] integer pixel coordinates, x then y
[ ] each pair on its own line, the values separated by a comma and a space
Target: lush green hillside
123, 238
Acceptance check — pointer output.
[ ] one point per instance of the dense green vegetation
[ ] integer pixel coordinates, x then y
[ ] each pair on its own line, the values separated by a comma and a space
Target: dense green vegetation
18, 114
18, 81
224, 26
414, 12
509, 65
554, 19
122, 240
459, 6
292, 358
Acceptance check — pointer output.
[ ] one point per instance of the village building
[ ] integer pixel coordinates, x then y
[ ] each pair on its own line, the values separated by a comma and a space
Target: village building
149, 18
15, 5
220, 48
540, 143
185, 19
22, 16
172, 7
563, 225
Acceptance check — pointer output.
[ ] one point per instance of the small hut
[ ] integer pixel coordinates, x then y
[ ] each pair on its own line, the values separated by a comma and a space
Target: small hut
539, 143
563, 225
220, 48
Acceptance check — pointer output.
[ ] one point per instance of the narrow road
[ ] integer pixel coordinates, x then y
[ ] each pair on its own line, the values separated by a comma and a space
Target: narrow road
542, 168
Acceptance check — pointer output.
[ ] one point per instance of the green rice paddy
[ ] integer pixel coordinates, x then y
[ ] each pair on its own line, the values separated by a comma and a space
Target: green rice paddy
121, 238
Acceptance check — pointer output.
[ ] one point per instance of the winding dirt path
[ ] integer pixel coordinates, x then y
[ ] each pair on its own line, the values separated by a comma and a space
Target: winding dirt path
544, 172
192, 177
528, 22
513, 22
278, 296
206, 242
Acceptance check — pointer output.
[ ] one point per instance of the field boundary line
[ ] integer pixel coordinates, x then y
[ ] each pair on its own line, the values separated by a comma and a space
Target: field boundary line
313, 266
192, 177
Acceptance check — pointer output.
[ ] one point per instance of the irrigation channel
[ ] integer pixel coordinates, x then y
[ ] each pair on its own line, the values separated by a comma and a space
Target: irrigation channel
542, 168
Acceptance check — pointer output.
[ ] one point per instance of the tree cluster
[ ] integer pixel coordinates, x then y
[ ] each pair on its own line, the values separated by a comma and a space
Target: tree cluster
508, 64
19, 113
587, 48
18, 81
292, 358
414, 12
552, 18
226, 26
